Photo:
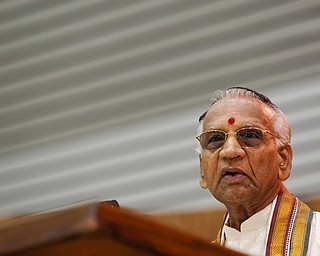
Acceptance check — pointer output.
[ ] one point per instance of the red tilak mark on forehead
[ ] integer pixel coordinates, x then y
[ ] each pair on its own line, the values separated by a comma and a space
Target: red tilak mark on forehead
231, 120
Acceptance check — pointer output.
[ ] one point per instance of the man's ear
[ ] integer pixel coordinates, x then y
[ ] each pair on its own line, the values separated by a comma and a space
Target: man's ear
202, 182
285, 163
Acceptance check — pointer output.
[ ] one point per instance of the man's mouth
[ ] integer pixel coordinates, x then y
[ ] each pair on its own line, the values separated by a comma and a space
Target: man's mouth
232, 174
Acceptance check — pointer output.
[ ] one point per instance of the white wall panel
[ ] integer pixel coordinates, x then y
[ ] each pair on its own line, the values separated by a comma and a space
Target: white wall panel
100, 99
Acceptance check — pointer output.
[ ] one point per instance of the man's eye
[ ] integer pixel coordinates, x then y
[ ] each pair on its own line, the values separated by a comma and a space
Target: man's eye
216, 137
250, 134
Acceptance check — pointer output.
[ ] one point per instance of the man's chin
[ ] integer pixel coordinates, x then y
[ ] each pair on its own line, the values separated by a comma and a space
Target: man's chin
233, 195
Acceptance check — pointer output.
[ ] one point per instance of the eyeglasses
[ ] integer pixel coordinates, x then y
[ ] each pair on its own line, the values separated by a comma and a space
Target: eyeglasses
250, 137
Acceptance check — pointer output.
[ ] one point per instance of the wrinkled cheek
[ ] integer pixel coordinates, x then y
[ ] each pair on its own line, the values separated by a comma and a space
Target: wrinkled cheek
268, 174
209, 166
211, 179
214, 184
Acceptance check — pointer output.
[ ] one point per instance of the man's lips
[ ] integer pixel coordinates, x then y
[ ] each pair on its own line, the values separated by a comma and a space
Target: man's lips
232, 173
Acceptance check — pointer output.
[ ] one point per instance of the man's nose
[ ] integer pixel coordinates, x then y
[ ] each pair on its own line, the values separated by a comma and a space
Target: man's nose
231, 147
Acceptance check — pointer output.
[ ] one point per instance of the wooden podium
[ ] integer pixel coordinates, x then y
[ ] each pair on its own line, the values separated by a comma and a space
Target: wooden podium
97, 229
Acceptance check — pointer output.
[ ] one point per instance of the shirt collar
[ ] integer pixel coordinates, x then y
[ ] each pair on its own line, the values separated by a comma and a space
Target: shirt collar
255, 222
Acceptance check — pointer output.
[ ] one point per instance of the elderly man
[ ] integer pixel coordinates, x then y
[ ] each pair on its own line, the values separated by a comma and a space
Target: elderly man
245, 156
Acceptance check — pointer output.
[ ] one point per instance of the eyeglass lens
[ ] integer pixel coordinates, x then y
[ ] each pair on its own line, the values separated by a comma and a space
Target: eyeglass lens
248, 137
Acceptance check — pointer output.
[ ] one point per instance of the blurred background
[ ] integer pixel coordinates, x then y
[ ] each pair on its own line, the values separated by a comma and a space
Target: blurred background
100, 99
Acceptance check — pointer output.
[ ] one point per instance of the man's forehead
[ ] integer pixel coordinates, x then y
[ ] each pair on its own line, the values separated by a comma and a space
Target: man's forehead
236, 102
229, 110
